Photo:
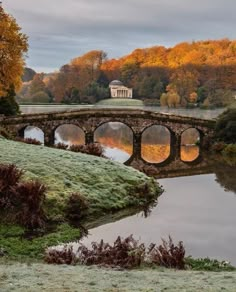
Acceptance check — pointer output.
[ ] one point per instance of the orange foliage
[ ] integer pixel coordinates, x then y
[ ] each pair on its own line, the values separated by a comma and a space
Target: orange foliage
189, 153
153, 153
13, 46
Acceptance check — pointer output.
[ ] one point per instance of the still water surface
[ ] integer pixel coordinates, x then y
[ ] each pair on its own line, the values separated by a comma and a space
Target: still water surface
207, 114
200, 210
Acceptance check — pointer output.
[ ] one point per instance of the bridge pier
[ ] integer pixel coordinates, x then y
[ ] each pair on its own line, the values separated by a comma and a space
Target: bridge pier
49, 138
89, 138
137, 145
175, 148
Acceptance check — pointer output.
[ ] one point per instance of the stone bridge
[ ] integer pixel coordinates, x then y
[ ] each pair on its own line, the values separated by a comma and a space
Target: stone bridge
90, 119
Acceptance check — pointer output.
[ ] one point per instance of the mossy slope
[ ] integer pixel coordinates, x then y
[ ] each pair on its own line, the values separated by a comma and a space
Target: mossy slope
106, 184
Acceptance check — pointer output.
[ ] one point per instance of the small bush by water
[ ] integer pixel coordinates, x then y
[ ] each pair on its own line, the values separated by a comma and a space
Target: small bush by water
124, 253
167, 254
128, 253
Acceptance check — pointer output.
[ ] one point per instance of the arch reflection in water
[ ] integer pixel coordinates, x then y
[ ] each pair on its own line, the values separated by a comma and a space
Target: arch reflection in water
116, 139
189, 145
69, 134
34, 133
156, 144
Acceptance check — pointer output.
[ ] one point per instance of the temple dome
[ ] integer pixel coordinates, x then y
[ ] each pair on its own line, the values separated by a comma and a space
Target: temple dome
116, 83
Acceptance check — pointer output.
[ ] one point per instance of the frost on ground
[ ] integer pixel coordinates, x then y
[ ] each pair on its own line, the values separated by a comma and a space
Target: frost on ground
107, 185
41, 277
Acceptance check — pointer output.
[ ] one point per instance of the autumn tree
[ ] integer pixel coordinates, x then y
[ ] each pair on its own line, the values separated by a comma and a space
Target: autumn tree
13, 46
193, 97
37, 84
89, 66
185, 81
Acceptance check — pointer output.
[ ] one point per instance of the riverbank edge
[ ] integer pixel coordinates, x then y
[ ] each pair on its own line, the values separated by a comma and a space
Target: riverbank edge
109, 187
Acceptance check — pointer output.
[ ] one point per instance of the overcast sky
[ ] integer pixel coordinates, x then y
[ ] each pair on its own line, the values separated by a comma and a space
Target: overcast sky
60, 30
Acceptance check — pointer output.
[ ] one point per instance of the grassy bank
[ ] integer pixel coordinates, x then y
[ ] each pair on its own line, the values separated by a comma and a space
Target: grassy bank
108, 186
41, 277
120, 102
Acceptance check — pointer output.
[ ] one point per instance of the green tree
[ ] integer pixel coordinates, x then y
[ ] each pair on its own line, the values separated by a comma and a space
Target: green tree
226, 126
129, 72
8, 104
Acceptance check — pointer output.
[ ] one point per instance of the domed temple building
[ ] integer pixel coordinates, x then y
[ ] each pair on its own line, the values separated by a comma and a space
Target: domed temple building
118, 90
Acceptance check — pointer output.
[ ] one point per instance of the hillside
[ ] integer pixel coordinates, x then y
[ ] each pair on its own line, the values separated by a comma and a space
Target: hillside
202, 73
107, 185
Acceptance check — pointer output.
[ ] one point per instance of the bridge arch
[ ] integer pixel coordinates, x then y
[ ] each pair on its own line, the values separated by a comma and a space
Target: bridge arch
156, 140
113, 120
190, 144
32, 131
117, 140
68, 133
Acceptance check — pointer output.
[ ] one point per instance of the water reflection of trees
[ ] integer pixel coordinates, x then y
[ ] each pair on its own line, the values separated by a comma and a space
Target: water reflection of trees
69, 134
226, 176
190, 136
155, 144
115, 135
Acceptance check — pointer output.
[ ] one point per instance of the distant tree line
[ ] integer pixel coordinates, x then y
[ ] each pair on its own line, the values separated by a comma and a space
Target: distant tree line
202, 73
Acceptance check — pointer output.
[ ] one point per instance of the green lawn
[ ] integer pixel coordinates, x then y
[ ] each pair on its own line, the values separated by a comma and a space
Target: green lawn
120, 102
106, 184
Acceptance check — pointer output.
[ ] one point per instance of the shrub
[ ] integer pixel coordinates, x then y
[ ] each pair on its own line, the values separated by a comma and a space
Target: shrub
22, 202
77, 207
29, 141
149, 170
126, 253
61, 146
218, 146
167, 254
10, 175
230, 150
27, 199
226, 126
207, 264
92, 148
4, 133
61, 257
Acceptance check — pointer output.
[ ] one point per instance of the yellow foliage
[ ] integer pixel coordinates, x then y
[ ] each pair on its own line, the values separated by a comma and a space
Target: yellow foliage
13, 46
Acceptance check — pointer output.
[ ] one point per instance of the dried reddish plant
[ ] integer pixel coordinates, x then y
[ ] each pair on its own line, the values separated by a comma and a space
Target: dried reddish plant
27, 199
167, 254
21, 202
92, 148
28, 141
148, 169
126, 253
61, 257
77, 206
61, 146
10, 175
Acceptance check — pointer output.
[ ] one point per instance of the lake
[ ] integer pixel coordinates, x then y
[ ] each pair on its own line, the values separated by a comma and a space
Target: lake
196, 209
